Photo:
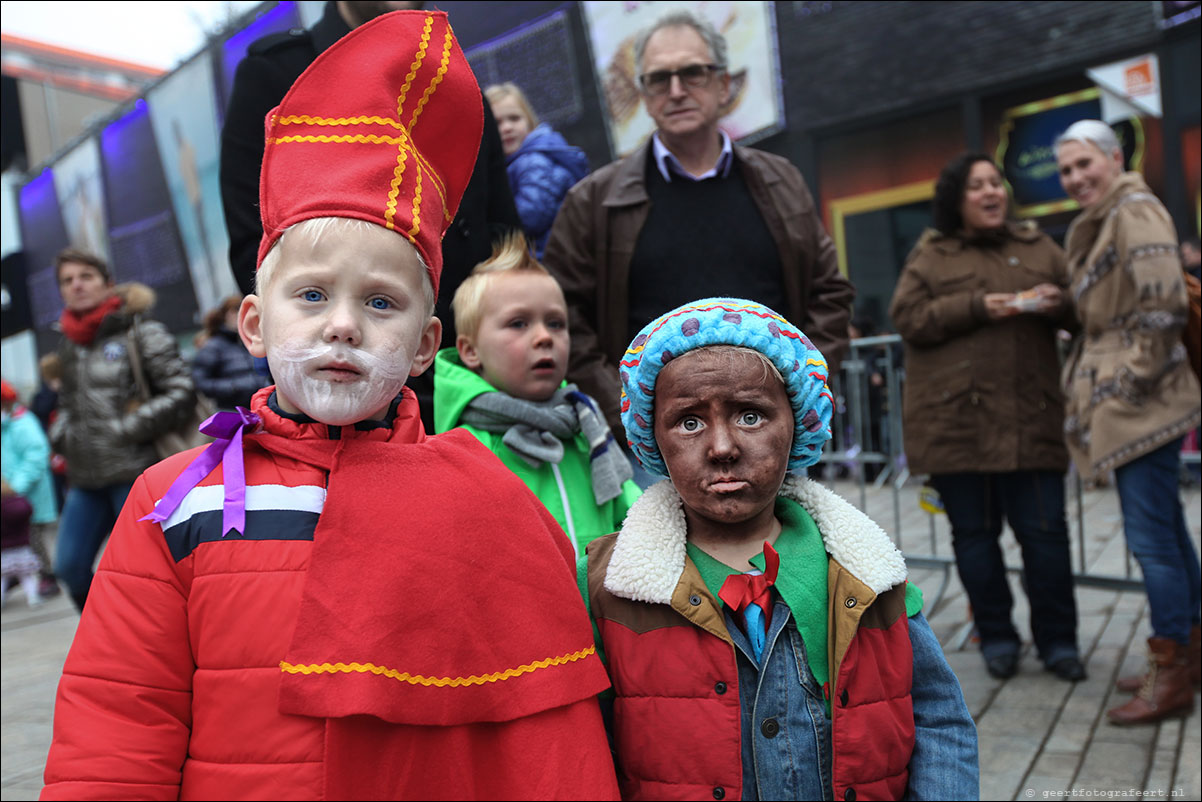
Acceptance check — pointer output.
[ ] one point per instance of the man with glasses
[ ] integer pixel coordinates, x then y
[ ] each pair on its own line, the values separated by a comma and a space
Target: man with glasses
689, 215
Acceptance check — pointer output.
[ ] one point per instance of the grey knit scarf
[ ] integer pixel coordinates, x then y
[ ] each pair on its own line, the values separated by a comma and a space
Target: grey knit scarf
535, 431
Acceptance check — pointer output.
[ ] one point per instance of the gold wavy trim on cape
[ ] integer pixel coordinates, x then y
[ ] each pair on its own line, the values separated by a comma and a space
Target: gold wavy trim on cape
440, 682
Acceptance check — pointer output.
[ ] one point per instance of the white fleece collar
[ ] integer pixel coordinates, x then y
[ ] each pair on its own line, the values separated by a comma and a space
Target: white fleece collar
648, 558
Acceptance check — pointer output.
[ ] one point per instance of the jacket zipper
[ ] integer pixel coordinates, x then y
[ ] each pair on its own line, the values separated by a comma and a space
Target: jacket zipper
567, 509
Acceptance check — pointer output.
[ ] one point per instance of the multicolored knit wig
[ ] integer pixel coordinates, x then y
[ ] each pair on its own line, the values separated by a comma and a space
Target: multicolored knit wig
726, 321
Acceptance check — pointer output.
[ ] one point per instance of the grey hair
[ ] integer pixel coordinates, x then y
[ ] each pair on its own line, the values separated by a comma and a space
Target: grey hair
316, 228
1095, 132
715, 41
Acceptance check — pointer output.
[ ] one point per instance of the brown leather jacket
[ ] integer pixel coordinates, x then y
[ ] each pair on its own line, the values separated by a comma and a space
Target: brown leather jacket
981, 396
594, 236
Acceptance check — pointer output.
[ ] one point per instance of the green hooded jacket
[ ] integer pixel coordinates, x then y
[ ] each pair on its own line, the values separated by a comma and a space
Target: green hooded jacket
566, 489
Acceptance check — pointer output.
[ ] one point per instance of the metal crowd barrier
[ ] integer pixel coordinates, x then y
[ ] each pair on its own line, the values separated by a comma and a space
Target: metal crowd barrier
867, 438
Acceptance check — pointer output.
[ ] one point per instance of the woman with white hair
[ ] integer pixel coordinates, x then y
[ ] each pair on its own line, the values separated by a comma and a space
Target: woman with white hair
1132, 396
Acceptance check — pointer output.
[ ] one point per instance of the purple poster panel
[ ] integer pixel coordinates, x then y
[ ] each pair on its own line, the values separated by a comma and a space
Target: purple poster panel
144, 239
43, 235
282, 17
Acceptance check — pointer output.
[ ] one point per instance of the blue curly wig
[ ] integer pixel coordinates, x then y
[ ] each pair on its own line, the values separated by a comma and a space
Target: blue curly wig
726, 321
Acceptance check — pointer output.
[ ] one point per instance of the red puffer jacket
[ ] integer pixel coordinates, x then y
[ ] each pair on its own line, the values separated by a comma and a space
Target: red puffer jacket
193, 714
173, 686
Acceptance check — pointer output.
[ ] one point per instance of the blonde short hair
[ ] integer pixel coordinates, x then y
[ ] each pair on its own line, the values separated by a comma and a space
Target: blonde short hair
498, 92
510, 255
316, 228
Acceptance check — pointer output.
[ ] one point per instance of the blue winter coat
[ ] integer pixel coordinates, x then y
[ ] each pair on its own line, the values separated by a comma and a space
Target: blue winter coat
25, 463
541, 172
225, 371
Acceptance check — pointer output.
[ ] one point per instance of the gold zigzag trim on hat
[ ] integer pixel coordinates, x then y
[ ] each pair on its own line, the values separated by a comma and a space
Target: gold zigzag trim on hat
368, 139
371, 139
421, 104
423, 171
398, 172
438, 682
305, 119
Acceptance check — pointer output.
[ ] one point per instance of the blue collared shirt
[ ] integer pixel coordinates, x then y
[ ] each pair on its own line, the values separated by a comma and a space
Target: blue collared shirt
669, 165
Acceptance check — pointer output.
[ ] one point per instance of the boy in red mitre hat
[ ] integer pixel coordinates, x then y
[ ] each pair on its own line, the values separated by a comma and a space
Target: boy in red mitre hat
325, 603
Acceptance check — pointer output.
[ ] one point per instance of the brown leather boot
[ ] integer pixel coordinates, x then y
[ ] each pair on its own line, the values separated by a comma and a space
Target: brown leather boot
1193, 655
1166, 690
1133, 683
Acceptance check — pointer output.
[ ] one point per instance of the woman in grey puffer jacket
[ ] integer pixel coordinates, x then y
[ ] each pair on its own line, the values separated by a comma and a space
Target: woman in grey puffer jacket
104, 431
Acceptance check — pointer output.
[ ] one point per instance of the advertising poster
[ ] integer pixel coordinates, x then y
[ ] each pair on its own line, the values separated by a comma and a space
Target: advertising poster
755, 108
185, 129
539, 58
143, 237
42, 237
81, 198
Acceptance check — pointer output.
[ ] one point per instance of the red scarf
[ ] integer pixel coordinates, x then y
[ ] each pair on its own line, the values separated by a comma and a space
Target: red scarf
81, 327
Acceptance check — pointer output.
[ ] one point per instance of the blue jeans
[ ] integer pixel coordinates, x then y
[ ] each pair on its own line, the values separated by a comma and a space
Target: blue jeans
1158, 537
88, 518
1033, 503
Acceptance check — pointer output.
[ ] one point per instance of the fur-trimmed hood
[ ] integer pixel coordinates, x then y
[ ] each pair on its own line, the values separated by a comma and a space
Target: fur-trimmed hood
136, 298
649, 555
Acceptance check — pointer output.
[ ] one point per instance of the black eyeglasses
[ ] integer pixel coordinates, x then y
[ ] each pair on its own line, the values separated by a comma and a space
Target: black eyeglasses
694, 75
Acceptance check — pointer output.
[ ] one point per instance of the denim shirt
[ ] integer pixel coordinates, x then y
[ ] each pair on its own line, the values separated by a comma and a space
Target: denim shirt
787, 734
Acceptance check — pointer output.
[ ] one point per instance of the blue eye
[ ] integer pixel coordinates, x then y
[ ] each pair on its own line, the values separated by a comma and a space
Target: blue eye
517, 324
313, 296
690, 424
750, 418
380, 303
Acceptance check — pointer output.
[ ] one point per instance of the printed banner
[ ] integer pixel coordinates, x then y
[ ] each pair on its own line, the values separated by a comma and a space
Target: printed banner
755, 109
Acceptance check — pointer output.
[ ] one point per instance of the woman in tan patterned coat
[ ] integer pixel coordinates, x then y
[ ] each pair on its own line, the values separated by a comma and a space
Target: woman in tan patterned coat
1132, 396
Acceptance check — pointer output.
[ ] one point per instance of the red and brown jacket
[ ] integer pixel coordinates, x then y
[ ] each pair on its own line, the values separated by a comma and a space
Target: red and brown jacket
672, 661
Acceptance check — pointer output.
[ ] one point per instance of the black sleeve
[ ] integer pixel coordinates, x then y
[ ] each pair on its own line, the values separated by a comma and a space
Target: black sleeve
259, 85
502, 211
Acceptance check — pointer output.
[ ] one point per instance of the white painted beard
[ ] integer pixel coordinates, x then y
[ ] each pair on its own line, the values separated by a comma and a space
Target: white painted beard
330, 402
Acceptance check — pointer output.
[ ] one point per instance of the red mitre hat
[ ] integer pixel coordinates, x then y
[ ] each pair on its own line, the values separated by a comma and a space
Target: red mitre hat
384, 127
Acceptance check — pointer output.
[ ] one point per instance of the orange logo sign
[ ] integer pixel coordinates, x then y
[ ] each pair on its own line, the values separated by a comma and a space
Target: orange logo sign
1138, 79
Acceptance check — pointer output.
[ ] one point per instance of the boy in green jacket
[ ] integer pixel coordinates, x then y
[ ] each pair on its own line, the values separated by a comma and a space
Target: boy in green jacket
504, 383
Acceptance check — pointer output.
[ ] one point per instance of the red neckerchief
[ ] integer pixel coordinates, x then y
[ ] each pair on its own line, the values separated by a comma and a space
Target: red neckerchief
80, 328
741, 590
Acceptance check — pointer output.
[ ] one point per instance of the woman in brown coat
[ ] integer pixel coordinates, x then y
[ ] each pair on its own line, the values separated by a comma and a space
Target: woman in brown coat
1132, 396
978, 306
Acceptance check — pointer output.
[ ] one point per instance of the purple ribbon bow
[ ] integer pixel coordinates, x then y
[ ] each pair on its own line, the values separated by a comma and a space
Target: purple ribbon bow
227, 429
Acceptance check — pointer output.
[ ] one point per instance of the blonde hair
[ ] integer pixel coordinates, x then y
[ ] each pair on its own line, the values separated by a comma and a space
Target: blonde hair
51, 367
512, 254
730, 353
498, 92
316, 228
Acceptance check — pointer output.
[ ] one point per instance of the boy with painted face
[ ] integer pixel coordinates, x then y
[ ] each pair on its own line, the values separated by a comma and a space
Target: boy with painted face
325, 603
504, 383
752, 607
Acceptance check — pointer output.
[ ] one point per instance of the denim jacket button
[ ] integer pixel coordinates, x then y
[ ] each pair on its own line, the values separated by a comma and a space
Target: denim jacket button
720, 688
770, 727
695, 600
850, 602
719, 792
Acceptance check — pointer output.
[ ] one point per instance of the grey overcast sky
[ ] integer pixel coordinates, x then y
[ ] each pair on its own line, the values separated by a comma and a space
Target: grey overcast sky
159, 33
